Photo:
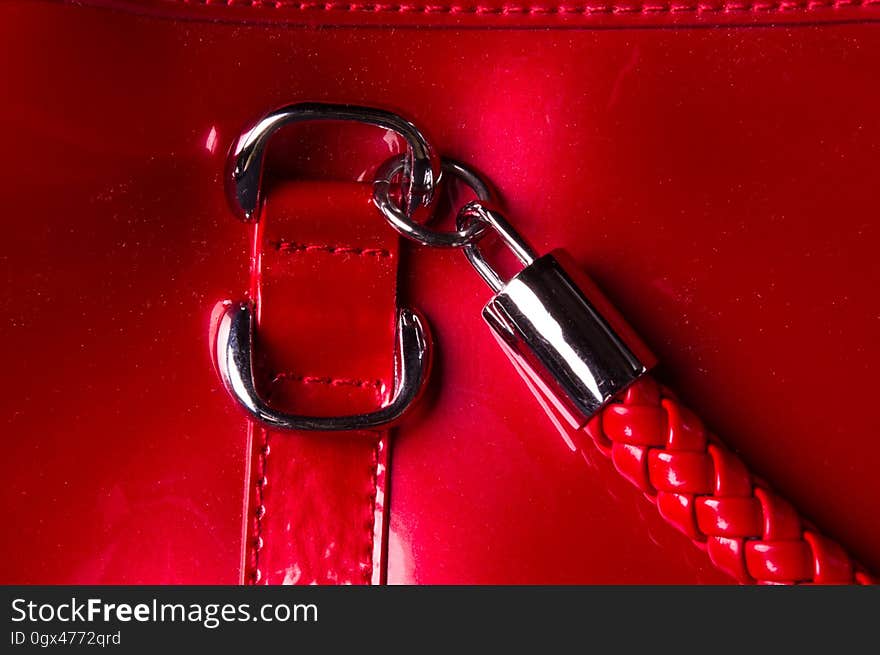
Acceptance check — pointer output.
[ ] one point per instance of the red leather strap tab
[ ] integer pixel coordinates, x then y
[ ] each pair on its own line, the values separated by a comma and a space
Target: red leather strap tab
324, 281
707, 492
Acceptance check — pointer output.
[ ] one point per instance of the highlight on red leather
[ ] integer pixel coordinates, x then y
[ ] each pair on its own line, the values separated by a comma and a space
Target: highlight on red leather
706, 491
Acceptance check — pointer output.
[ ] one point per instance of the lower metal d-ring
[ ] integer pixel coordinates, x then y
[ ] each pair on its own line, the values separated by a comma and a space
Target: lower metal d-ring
234, 348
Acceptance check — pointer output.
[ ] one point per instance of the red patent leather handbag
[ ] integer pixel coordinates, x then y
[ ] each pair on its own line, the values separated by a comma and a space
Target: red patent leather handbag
711, 166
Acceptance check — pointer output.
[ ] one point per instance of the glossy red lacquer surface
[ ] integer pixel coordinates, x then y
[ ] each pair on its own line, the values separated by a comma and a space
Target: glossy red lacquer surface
719, 184
325, 287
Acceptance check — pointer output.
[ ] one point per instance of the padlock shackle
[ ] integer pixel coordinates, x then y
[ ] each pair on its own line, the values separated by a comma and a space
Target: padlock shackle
477, 211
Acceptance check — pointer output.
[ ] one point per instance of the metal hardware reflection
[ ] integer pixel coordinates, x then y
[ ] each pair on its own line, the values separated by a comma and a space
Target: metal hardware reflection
234, 355
575, 355
402, 221
421, 169
476, 213
559, 330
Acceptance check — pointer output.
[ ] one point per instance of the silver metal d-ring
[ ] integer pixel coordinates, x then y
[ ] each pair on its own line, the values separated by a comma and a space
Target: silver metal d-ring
401, 220
234, 355
245, 166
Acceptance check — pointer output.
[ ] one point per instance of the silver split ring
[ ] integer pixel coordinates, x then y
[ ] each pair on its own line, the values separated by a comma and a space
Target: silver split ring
403, 222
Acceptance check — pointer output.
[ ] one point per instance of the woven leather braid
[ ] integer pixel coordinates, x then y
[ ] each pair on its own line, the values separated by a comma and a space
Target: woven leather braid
706, 491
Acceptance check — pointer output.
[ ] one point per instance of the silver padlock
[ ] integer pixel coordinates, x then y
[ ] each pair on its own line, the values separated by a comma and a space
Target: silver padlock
557, 327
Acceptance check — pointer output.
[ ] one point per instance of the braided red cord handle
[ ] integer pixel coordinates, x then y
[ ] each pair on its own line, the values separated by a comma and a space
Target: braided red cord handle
706, 491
